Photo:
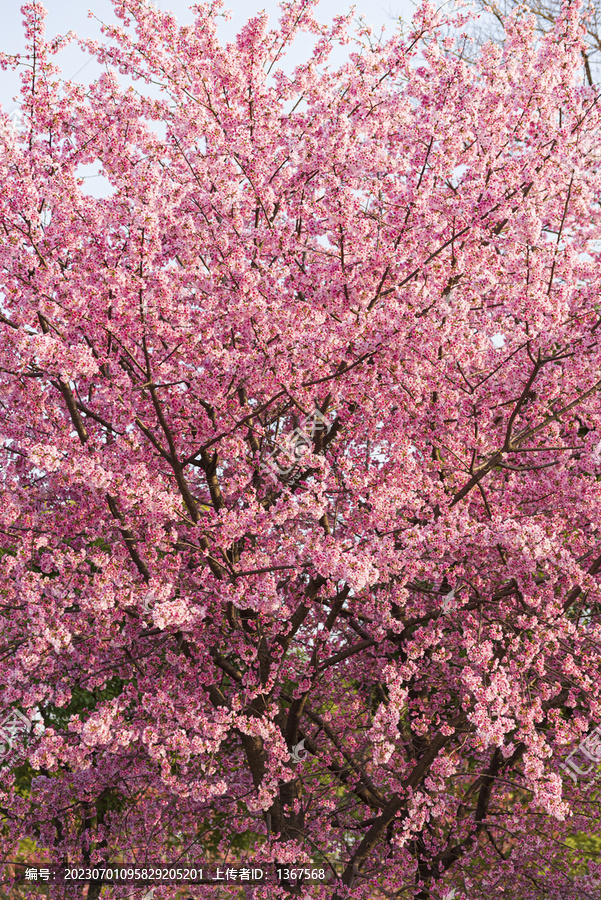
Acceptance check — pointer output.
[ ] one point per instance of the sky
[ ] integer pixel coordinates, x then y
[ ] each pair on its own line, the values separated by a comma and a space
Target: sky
72, 15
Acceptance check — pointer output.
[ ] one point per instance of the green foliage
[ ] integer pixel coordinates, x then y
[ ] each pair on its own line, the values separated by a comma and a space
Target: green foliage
82, 701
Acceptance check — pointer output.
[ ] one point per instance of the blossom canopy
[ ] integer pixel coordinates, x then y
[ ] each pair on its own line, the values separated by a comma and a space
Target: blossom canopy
300, 455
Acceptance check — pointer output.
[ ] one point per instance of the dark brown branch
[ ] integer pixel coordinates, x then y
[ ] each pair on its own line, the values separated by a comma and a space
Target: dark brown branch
344, 654
129, 538
395, 805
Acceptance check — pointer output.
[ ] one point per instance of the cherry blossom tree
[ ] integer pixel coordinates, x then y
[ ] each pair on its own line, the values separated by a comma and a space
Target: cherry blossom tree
546, 13
301, 456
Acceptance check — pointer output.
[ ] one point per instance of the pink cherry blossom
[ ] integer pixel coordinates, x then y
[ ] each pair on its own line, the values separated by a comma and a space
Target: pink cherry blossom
300, 434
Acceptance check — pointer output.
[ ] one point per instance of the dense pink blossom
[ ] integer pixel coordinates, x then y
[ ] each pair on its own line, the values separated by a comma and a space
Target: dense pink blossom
194, 579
